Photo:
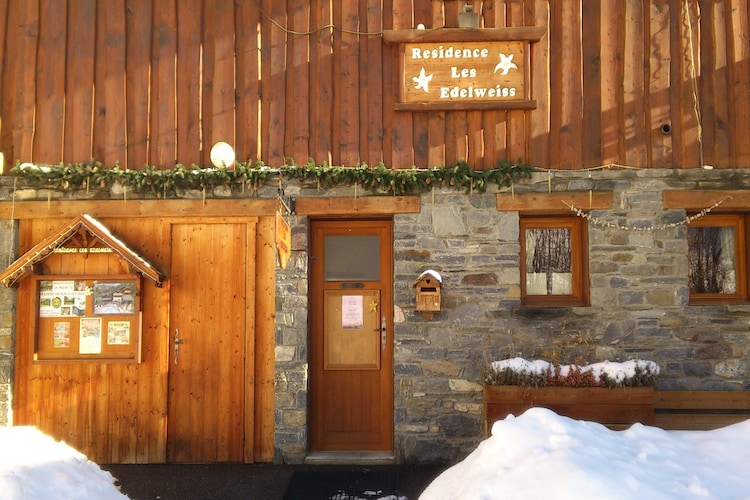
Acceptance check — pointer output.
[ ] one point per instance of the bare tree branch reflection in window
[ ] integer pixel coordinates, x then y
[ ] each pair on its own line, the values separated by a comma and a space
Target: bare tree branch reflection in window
548, 253
711, 259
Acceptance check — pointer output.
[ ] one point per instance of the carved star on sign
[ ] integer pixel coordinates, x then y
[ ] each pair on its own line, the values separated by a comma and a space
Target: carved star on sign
373, 306
506, 64
422, 81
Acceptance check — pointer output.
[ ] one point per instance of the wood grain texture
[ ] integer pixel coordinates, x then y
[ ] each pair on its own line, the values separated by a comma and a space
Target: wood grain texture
118, 412
296, 80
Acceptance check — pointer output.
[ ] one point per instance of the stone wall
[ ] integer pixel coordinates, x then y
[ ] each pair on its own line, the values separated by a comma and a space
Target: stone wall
290, 412
638, 283
639, 294
8, 238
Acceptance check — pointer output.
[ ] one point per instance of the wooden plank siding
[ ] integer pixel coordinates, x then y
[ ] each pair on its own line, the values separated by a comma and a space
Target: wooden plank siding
118, 412
700, 410
119, 82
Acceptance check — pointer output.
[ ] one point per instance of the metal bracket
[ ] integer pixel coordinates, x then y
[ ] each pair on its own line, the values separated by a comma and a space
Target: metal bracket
286, 202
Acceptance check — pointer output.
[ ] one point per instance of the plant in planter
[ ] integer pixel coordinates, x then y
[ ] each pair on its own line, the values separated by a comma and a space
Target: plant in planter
540, 373
614, 394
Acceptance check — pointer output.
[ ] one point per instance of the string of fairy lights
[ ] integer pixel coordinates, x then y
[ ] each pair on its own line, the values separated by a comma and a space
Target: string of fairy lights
596, 221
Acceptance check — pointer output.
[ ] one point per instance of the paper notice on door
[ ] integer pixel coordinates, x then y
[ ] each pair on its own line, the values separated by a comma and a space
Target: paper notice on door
352, 317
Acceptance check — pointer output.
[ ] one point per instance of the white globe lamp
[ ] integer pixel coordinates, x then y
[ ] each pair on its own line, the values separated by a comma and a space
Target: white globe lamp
222, 155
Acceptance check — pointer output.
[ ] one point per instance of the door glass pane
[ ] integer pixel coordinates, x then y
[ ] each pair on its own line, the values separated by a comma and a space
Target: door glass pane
548, 262
711, 259
351, 258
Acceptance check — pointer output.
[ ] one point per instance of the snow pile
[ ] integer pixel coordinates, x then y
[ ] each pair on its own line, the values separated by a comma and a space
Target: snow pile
520, 371
34, 466
541, 455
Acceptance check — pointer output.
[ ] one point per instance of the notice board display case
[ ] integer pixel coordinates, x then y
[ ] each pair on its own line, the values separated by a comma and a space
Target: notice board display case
87, 318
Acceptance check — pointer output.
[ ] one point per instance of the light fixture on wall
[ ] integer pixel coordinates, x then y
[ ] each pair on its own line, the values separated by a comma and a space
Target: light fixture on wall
222, 155
468, 18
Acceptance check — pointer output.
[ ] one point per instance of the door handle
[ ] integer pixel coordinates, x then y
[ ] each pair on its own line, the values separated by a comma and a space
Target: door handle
177, 342
383, 333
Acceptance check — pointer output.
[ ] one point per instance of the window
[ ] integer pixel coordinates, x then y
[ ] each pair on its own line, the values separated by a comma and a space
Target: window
716, 259
554, 264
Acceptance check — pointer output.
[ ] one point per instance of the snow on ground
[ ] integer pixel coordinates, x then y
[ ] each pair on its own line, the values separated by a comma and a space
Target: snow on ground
35, 466
541, 455
537, 455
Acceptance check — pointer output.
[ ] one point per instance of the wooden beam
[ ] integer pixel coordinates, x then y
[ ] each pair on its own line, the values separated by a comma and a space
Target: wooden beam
705, 198
530, 33
554, 202
369, 205
464, 106
138, 208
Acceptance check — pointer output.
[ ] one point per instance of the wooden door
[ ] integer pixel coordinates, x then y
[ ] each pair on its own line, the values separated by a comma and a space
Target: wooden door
351, 341
208, 308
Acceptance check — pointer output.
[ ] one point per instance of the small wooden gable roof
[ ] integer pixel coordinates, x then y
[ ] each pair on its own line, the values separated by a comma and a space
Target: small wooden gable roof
45, 248
430, 275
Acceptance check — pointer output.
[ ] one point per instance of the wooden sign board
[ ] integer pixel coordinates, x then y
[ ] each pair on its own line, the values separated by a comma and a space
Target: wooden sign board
463, 74
283, 240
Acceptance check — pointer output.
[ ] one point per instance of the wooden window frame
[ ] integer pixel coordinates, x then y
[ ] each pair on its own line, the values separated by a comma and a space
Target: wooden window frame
579, 261
739, 222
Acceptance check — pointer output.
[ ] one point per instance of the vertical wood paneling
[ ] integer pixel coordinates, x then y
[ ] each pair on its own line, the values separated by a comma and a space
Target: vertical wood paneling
248, 81
495, 122
539, 143
571, 112
138, 22
49, 84
19, 80
110, 412
420, 126
371, 66
456, 123
109, 82
399, 124
218, 82
321, 82
714, 76
739, 57
658, 108
297, 141
516, 119
706, 82
264, 322
94, 83
251, 334
190, 55
591, 25
163, 135
4, 142
436, 119
273, 78
633, 85
347, 77
683, 96
78, 82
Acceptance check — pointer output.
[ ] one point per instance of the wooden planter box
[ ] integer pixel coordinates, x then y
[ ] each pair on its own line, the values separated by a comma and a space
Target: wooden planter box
617, 408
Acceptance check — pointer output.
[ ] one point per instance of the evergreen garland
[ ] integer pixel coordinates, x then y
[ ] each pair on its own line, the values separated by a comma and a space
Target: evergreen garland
253, 175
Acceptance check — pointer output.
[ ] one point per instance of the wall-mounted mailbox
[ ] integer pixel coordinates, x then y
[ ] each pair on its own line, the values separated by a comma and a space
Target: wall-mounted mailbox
428, 287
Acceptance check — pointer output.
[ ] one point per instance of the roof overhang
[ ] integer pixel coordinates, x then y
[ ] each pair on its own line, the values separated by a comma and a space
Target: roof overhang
25, 264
